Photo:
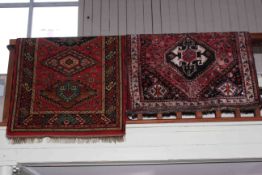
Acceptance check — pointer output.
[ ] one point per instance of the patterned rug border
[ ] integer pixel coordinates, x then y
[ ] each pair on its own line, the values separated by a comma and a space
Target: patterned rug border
79, 134
138, 106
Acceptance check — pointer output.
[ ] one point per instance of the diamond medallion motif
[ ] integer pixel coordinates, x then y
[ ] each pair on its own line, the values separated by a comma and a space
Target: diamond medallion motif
227, 89
68, 93
157, 91
69, 62
190, 58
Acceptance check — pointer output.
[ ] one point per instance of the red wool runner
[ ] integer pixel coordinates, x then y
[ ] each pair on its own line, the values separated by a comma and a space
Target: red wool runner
191, 72
71, 87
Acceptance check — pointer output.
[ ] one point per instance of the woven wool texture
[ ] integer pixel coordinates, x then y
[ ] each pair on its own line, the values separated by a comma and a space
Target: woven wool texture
191, 72
85, 86
72, 87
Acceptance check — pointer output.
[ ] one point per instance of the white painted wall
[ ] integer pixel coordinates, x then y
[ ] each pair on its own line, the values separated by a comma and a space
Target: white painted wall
148, 142
105, 17
120, 17
158, 141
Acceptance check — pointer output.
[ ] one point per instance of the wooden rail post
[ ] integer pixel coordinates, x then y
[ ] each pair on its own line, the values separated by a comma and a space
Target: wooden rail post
237, 113
199, 115
178, 115
257, 113
159, 116
218, 114
139, 116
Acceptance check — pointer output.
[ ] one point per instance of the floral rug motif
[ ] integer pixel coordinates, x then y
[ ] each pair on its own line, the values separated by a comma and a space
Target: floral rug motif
191, 72
72, 87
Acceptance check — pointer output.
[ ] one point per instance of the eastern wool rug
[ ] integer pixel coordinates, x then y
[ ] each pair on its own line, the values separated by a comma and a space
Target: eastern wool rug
191, 72
67, 87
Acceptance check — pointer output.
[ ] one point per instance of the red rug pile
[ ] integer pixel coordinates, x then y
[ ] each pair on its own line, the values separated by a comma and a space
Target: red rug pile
76, 87
191, 72
72, 87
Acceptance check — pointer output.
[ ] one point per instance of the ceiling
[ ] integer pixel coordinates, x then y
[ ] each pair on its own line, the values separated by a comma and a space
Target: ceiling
242, 168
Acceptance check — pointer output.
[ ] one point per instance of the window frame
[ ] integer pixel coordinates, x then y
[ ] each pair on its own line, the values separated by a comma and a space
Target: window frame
31, 5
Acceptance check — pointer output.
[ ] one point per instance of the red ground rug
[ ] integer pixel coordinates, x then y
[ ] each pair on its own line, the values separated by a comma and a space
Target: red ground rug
71, 87
191, 72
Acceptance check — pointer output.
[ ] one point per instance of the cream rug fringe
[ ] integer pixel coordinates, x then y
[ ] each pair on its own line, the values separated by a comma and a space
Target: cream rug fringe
69, 140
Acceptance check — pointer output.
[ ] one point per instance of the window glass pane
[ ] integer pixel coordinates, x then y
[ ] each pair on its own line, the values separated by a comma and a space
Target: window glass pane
55, 0
13, 1
2, 93
55, 21
13, 25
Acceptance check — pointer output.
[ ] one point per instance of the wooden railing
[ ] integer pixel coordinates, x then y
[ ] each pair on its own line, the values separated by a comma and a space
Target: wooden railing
256, 39
198, 116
